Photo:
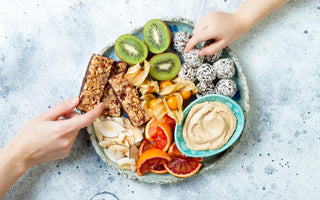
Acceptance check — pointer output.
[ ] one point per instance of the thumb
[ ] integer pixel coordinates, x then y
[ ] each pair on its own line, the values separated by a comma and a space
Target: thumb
212, 48
61, 109
86, 119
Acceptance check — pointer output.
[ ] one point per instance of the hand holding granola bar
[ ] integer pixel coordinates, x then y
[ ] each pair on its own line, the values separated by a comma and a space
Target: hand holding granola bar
45, 138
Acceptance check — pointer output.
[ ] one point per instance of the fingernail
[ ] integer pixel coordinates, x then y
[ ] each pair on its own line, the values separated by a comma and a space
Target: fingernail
75, 100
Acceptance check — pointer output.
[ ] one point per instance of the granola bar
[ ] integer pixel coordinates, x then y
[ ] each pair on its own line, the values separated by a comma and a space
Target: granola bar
129, 99
112, 105
94, 82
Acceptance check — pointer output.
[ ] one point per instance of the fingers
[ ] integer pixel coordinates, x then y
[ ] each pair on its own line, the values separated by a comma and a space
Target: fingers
80, 121
61, 109
202, 36
71, 114
200, 29
212, 48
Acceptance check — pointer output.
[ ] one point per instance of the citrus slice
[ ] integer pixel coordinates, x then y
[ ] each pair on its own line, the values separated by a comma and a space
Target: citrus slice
159, 133
159, 169
144, 146
182, 167
174, 151
151, 158
151, 129
164, 137
168, 120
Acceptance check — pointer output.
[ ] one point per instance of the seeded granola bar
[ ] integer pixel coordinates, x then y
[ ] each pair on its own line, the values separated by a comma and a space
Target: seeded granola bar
129, 99
94, 82
112, 106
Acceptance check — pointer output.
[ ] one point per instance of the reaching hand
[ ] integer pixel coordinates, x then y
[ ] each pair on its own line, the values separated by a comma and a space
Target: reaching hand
222, 27
50, 135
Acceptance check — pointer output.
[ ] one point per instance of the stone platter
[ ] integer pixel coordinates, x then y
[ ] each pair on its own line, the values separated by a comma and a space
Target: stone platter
241, 97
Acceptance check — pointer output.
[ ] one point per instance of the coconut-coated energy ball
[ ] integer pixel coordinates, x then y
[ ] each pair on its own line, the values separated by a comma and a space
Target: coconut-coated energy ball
180, 40
213, 57
226, 87
206, 73
192, 58
225, 68
204, 88
187, 72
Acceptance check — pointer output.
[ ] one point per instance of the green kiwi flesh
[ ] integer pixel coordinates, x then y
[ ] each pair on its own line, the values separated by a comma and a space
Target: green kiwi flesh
131, 49
157, 36
164, 66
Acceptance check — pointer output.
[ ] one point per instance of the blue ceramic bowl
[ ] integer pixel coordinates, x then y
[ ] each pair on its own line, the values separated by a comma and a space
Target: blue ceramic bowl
237, 110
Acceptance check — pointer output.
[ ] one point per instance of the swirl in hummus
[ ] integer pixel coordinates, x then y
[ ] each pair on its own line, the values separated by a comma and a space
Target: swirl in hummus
209, 126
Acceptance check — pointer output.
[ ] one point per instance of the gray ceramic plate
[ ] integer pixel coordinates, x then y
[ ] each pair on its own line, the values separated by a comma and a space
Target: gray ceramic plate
241, 97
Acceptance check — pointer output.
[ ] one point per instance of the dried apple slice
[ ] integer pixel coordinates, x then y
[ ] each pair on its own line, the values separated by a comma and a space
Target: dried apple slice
137, 74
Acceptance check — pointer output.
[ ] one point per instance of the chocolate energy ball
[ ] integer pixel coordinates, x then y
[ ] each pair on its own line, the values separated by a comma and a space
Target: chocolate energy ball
187, 72
206, 73
213, 57
180, 40
204, 89
225, 68
192, 57
226, 87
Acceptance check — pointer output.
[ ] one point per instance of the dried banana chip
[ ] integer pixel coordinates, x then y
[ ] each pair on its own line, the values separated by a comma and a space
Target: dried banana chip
127, 163
137, 74
179, 84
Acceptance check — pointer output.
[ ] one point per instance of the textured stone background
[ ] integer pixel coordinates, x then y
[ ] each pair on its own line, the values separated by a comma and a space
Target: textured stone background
45, 47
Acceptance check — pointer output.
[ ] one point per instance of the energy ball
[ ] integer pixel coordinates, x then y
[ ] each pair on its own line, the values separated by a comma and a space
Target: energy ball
206, 73
225, 68
213, 57
226, 87
187, 72
180, 40
192, 57
204, 89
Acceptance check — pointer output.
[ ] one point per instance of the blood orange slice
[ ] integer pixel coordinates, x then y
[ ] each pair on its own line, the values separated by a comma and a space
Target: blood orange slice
144, 146
182, 167
163, 136
173, 150
151, 129
151, 158
159, 169
168, 120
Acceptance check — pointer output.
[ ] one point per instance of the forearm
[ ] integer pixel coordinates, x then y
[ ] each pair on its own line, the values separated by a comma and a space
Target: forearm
11, 167
252, 11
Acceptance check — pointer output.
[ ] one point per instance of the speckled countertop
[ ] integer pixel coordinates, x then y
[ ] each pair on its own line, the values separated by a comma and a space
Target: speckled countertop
45, 47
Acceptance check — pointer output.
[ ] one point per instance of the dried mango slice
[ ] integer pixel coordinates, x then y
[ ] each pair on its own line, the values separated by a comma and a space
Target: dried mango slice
137, 74
179, 84
176, 114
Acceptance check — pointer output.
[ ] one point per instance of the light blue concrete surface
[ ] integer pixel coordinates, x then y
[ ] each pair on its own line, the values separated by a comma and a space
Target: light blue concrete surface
44, 50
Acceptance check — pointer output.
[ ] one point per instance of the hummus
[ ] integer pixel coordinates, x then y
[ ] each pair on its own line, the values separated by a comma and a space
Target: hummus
209, 126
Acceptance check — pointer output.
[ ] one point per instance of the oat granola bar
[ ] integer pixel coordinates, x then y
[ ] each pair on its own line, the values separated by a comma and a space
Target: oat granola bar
129, 99
94, 82
112, 105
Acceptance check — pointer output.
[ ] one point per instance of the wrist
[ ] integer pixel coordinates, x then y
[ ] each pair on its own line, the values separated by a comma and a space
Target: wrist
244, 25
14, 159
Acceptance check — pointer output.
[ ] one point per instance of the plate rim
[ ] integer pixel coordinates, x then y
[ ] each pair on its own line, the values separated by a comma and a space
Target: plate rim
224, 154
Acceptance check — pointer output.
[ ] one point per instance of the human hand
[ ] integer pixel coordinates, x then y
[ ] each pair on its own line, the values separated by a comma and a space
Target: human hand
51, 135
222, 27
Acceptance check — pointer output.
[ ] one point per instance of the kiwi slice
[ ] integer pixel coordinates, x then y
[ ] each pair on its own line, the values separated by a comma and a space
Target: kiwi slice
157, 36
164, 66
131, 49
